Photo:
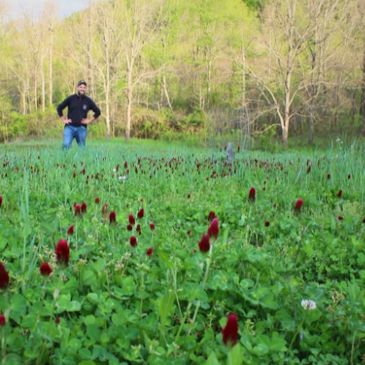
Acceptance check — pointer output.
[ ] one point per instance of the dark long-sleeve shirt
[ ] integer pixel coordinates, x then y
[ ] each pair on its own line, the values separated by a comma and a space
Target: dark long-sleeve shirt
78, 107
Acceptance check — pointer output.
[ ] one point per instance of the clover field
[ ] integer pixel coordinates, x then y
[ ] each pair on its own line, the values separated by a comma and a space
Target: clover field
144, 253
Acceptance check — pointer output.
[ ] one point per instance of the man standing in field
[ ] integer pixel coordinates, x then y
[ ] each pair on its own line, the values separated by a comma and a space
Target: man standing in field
76, 122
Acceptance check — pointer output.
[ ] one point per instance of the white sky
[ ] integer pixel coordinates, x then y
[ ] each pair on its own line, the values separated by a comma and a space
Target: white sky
17, 8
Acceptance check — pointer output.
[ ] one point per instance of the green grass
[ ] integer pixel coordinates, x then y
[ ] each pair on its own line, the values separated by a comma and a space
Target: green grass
117, 305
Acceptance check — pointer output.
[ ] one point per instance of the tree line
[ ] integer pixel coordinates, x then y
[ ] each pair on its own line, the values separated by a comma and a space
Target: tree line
174, 66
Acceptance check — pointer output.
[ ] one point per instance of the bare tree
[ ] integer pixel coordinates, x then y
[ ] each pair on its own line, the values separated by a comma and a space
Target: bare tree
108, 40
362, 25
81, 32
326, 18
139, 22
49, 23
22, 65
292, 30
289, 37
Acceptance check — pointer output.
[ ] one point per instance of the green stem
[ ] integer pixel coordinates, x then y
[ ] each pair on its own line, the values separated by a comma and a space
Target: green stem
295, 335
183, 321
3, 347
174, 275
142, 289
209, 260
352, 349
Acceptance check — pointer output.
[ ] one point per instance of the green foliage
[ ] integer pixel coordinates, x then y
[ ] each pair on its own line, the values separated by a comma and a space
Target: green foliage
114, 304
165, 123
148, 123
196, 119
255, 4
97, 130
266, 140
188, 56
17, 125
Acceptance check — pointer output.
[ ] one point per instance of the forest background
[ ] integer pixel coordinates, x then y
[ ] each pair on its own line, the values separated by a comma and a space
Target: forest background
252, 71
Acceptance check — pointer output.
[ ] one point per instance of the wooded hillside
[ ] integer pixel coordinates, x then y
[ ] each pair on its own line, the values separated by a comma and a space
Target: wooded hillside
159, 67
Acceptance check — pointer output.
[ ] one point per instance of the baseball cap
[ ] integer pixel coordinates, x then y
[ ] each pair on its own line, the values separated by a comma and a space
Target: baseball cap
82, 82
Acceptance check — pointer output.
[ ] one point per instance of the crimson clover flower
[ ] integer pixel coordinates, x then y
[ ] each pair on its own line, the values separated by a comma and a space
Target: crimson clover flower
112, 217
252, 194
140, 213
45, 269
62, 252
298, 204
70, 230
213, 229
230, 331
131, 219
204, 244
133, 241
2, 320
139, 229
77, 209
211, 215
4, 277
83, 207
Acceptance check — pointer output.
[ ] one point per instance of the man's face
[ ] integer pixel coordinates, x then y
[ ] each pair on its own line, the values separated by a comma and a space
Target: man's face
81, 89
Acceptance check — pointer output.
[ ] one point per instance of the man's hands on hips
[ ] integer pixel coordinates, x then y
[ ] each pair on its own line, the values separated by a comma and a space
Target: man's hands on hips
66, 121
86, 121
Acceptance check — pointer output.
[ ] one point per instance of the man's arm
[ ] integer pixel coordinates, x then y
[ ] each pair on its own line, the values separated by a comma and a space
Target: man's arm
60, 110
96, 111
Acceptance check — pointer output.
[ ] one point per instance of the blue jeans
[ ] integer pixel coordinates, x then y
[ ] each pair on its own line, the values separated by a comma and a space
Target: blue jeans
70, 132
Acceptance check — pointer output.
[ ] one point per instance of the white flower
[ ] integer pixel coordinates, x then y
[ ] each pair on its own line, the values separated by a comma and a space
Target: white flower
308, 304
122, 178
56, 294
301, 335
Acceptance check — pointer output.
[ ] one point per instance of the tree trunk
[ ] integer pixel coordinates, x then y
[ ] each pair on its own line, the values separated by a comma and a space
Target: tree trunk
90, 71
107, 108
362, 102
311, 124
43, 86
201, 98
129, 103
287, 115
288, 74
243, 77
312, 96
35, 93
50, 69
23, 98
285, 133
107, 86
209, 80
164, 83
129, 114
